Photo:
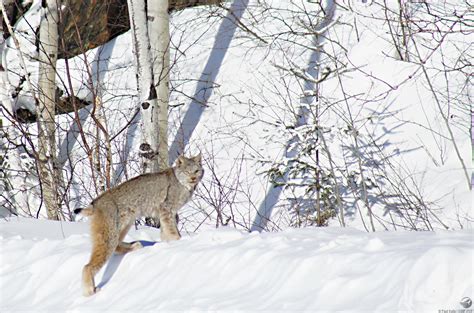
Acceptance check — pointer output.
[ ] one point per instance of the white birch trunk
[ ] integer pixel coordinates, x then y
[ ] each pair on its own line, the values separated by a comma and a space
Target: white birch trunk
48, 50
159, 34
18, 196
146, 86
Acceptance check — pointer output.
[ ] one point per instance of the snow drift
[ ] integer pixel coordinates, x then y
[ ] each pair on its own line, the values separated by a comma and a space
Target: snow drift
317, 269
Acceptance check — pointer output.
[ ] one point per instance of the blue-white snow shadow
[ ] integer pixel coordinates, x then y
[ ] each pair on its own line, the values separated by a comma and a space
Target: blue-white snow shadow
99, 67
114, 263
201, 95
207, 79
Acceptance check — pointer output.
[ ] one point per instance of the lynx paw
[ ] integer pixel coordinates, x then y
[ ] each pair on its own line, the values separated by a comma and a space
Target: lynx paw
136, 246
87, 292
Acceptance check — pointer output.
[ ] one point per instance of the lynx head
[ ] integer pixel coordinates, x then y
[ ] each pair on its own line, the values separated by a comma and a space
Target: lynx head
189, 171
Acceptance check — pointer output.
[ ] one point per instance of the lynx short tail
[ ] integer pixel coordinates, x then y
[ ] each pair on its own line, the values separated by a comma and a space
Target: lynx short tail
86, 212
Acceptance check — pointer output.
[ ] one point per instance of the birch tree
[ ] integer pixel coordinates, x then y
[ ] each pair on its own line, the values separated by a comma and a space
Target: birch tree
11, 162
159, 34
147, 94
48, 50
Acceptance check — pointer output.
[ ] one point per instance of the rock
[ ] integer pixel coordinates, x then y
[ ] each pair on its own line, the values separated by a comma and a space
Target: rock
64, 104
86, 24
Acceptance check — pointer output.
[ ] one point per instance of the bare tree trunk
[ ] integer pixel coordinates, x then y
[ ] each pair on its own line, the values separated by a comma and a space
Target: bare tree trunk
99, 117
149, 21
48, 49
12, 156
146, 86
159, 34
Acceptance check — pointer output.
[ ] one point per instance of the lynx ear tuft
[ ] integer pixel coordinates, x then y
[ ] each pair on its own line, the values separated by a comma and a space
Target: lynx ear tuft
180, 160
198, 157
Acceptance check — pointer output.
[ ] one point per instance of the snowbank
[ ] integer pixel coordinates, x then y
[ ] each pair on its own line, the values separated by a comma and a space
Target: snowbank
312, 269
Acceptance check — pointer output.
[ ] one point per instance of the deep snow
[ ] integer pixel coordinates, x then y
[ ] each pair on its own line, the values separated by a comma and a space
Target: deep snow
312, 269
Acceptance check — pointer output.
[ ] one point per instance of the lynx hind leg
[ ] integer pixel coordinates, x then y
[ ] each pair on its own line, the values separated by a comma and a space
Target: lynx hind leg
99, 256
168, 226
125, 247
104, 242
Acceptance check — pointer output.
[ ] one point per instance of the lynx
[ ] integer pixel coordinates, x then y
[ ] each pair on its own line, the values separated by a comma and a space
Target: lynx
158, 195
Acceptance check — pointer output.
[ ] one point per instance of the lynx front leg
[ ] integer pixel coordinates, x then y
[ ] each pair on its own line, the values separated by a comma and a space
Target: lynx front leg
169, 228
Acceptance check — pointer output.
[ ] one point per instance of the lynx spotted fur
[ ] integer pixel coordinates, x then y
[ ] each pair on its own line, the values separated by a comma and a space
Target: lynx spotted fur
158, 195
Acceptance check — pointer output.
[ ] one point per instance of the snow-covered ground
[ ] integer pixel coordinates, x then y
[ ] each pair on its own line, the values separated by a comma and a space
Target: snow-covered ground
226, 270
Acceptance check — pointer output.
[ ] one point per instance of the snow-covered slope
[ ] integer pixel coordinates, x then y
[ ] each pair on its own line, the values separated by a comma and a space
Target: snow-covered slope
313, 270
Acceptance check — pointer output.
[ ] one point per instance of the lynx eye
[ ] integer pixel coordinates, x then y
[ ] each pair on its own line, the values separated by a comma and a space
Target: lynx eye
196, 171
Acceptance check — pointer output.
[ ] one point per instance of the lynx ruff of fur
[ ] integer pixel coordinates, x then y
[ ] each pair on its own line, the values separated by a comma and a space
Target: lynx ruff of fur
112, 214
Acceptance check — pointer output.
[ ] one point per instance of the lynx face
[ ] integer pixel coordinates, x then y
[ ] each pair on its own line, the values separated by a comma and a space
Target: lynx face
189, 170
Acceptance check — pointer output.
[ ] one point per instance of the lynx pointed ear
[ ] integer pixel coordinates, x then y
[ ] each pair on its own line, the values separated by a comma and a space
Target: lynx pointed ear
180, 160
198, 157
